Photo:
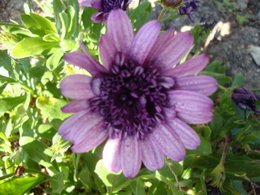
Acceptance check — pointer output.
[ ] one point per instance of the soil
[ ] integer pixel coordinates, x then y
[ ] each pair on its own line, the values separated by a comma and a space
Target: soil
231, 47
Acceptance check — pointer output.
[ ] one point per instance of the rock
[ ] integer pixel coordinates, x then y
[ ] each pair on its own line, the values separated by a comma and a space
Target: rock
255, 53
242, 4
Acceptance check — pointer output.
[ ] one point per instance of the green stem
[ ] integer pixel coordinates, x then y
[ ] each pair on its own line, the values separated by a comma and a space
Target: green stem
162, 14
224, 154
6, 176
174, 174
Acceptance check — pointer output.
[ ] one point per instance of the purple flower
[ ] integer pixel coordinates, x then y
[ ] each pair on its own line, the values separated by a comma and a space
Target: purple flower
190, 6
137, 99
245, 99
104, 7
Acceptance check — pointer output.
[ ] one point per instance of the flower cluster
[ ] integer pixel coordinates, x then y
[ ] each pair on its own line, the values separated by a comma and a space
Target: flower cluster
140, 99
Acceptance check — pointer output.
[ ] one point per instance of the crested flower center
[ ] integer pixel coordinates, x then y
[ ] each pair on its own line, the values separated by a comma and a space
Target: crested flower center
108, 5
131, 98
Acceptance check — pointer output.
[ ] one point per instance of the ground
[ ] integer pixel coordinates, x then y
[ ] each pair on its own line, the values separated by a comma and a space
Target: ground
236, 33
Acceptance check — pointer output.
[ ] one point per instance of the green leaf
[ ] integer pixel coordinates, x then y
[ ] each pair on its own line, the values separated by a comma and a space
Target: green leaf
221, 78
7, 104
116, 181
6, 79
19, 186
140, 15
39, 22
204, 148
51, 107
238, 80
57, 183
31, 46
53, 61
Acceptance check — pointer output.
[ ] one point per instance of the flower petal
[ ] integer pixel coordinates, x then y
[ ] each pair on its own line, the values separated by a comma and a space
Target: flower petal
188, 136
75, 106
144, 40
195, 118
130, 156
65, 127
205, 85
190, 102
111, 154
168, 142
190, 67
85, 2
160, 43
120, 30
83, 60
93, 138
96, 4
107, 50
76, 87
152, 156
98, 17
173, 50
87, 133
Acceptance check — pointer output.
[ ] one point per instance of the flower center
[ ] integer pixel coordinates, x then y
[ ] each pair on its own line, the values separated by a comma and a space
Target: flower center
131, 98
108, 5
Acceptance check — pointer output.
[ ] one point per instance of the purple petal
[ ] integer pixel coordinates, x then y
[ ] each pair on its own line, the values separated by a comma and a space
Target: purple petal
111, 154
168, 142
195, 118
86, 3
99, 17
66, 126
93, 138
84, 60
107, 50
205, 85
188, 136
190, 67
96, 4
190, 102
144, 40
130, 156
173, 50
75, 106
152, 157
160, 43
120, 30
88, 133
76, 87
86, 129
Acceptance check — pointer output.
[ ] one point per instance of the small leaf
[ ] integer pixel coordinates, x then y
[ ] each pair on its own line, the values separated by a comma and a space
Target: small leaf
31, 46
51, 107
114, 180
19, 186
7, 104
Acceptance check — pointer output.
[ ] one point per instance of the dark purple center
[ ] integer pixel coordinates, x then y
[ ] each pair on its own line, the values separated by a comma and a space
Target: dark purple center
131, 98
108, 5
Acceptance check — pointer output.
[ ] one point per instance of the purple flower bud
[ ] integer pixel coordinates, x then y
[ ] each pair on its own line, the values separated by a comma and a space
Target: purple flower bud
189, 6
245, 99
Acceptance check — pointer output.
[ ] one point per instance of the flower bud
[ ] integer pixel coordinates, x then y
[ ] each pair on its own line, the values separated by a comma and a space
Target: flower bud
245, 99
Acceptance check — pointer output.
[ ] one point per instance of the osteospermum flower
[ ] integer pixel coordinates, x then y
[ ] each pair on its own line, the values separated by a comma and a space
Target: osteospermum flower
136, 99
104, 7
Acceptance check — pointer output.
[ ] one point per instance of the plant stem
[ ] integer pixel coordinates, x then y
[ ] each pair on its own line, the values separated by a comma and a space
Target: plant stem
162, 14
